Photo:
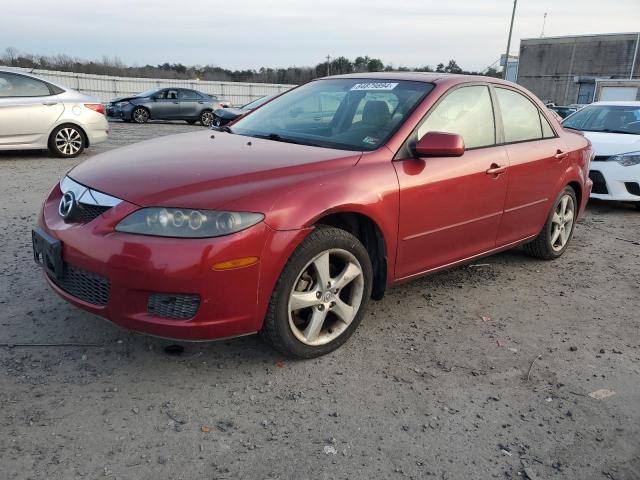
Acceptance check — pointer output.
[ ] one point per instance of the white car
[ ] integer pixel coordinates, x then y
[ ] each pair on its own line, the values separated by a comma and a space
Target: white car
614, 130
38, 114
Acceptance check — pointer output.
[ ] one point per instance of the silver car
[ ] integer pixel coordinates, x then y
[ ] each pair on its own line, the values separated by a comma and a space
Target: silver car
38, 114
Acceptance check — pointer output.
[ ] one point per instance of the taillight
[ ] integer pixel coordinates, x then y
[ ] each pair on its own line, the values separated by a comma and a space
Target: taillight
96, 107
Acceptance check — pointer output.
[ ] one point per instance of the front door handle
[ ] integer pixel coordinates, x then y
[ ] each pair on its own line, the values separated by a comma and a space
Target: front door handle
496, 169
560, 155
49, 103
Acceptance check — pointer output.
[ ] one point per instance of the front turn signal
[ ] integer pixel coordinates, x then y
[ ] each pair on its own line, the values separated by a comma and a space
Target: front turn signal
236, 263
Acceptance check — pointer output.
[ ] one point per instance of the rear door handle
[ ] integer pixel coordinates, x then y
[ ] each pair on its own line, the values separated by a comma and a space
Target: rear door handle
496, 169
49, 103
560, 155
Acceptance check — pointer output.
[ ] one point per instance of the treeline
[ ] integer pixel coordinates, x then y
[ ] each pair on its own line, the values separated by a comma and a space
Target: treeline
293, 75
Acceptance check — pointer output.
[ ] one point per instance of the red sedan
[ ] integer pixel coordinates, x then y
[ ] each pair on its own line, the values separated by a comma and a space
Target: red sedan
288, 222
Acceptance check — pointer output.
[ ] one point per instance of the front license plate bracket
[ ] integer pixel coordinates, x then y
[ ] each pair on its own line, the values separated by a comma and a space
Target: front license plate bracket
47, 252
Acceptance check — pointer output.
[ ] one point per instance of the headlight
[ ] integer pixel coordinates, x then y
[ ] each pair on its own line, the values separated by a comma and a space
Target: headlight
626, 159
186, 223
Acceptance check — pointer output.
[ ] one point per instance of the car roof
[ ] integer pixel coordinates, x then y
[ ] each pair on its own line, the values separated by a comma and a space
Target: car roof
620, 103
427, 77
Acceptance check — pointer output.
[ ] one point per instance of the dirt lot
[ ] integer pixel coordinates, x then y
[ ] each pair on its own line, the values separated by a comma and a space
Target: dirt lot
433, 385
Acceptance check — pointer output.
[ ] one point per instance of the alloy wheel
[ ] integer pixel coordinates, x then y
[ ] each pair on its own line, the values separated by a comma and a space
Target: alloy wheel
68, 141
326, 297
206, 119
140, 115
562, 222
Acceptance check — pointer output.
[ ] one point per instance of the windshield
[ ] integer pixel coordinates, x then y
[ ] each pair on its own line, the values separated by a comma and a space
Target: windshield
257, 103
349, 114
148, 93
606, 118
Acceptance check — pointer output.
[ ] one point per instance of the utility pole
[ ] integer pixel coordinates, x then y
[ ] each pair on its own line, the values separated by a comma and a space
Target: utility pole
328, 65
544, 22
506, 60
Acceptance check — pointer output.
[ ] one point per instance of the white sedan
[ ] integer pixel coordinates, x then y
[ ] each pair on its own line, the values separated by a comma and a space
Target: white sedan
38, 114
614, 130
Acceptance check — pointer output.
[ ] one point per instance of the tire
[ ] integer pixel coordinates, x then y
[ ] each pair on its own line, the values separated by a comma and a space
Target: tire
327, 315
558, 230
67, 141
140, 115
638, 206
206, 118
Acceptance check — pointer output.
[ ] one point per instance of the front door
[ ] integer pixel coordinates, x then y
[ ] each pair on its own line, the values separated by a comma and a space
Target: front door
166, 105
28, 110
451, 207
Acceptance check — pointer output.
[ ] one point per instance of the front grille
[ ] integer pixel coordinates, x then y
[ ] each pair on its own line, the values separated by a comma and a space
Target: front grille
599, 184
84, 285
633, 188
173, 305
86, 212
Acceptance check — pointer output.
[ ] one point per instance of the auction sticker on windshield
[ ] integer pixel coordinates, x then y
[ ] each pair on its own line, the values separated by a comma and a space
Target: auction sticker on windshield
374, 86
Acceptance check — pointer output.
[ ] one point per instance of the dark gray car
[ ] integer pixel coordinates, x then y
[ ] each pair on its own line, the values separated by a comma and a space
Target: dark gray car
166, 104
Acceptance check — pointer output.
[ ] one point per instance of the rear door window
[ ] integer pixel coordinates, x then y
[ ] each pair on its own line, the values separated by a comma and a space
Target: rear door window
14, 85
468, 112
188, 95
520, 117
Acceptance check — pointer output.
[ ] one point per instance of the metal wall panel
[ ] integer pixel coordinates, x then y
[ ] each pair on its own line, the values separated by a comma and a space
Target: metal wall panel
104, 87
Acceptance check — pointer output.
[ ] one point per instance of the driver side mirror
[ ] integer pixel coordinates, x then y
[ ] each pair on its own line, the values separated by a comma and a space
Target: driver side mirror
440, 144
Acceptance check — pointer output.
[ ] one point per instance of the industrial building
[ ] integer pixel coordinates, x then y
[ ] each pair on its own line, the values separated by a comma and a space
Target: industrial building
581, 69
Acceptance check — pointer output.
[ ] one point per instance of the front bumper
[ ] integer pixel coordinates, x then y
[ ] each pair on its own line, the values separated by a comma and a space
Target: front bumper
612, 181
139, 268
123, 112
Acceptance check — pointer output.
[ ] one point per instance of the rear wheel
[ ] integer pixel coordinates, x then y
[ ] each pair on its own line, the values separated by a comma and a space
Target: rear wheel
206, 118
140, 115
321, 295
67, 141
554, 238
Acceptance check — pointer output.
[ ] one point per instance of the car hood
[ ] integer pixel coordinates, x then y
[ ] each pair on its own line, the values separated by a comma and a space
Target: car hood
125, 99
207, 170
613, 143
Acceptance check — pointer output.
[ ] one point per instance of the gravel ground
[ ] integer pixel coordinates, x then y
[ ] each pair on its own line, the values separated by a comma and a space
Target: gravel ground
438, 382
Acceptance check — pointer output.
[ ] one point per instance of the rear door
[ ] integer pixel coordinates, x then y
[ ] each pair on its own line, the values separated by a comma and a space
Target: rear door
450, 207
536, 160
189, 106
28, 110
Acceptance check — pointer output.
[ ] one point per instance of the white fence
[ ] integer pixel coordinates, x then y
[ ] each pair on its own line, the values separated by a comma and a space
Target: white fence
104, 87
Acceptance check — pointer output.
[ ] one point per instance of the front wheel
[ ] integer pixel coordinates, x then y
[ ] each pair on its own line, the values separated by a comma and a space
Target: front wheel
321, 295
140, 115
67, 141
554, 238
206, 118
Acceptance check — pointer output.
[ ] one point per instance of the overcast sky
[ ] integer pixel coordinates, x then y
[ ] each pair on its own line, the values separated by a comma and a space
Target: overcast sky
254, 33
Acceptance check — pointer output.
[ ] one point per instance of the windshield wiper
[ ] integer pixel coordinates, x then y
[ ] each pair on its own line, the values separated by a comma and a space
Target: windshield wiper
223, 128
279, 138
